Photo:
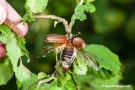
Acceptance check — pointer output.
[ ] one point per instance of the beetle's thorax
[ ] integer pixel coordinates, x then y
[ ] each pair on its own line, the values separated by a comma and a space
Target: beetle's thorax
70, 38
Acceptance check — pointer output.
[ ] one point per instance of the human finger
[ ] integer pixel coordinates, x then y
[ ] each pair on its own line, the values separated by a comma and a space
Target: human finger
2, 50
14, 16
3, 11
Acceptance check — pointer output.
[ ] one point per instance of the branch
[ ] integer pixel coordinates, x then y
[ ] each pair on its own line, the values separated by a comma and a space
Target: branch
68, 28
65, 23
13, 26
70, 25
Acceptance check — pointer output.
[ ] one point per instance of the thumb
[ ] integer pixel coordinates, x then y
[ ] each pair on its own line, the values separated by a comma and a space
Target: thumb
3, 13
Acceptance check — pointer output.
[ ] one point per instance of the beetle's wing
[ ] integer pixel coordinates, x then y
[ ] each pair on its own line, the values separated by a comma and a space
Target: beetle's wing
49, 50
45, 51
78, 42
55, 38
89, 60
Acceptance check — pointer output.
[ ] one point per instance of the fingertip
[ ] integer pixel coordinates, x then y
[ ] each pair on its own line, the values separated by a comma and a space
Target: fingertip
23, 28
3, 14
2, 50
14, 16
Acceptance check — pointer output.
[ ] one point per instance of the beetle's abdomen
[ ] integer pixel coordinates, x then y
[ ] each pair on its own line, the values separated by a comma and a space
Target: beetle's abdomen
66, 57
67, 54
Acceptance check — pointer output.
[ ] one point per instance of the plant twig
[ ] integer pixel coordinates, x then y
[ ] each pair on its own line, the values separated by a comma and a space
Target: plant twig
68, 28
72, 22
13, 27
65, 23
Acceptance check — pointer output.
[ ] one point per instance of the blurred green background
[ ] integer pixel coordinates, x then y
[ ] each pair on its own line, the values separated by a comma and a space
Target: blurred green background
112, 25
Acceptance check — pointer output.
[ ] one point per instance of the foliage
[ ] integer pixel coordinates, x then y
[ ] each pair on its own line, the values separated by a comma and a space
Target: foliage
108, 62
34, 6
79, 11
15, 50
5, 76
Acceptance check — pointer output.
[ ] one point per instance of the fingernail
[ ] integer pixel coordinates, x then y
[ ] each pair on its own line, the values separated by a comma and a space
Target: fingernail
3, 14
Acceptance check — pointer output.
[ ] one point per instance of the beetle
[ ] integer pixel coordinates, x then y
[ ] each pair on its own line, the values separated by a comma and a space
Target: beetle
69, 48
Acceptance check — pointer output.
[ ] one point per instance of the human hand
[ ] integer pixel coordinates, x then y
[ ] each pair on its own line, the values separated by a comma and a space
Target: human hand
7, 11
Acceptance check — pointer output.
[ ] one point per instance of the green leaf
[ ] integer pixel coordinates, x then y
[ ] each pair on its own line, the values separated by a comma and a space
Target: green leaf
27, 78
34, 7
78, 15
61, 80
5, 31
105, 58
80, 66
41, 75
69, 83
28, 16
99, 84
24, 50
94, 83
55, 23
102, 73
47, 86
19, 85
89, 8
79, 11
6, 71
14, 52
69, 86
